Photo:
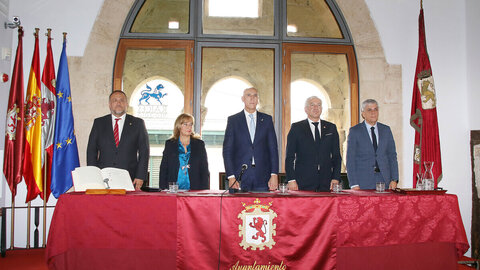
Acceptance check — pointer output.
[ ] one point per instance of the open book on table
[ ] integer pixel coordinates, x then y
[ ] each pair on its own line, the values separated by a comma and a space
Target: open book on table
91, 177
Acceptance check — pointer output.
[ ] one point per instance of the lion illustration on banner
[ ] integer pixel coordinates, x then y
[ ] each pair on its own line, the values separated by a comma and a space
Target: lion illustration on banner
260, 225
152, 93
427, 90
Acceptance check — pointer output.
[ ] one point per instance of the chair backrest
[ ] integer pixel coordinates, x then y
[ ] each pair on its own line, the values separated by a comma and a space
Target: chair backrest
344, 179
223, 181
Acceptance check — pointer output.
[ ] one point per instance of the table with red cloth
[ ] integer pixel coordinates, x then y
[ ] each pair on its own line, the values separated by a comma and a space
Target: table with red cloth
305, 230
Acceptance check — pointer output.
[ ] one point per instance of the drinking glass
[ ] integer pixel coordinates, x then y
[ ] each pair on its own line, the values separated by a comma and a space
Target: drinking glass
380, 186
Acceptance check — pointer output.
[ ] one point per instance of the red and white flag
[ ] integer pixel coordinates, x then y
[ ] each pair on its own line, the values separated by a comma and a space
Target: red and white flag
48, 113
424, 113
14, 133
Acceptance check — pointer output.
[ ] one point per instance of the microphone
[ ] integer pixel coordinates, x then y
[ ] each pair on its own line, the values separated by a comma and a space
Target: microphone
244, 167
239, 180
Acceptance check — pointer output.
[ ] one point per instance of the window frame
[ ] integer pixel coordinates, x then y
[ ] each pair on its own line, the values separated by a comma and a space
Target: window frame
194, 41
186, 45
288, 50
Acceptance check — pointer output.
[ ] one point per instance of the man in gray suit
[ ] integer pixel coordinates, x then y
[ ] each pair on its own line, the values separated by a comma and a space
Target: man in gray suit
371, 154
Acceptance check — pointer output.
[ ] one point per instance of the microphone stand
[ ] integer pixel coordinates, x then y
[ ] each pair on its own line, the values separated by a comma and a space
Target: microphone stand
231, 191
239, 181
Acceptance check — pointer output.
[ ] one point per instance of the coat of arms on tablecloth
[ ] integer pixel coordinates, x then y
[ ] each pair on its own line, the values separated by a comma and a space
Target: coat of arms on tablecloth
257, 228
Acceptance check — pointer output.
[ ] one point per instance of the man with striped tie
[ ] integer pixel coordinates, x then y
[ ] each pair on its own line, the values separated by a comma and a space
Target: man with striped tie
120, 140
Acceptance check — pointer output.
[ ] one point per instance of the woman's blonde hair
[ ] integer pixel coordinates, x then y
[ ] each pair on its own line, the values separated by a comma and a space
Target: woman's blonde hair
183, 118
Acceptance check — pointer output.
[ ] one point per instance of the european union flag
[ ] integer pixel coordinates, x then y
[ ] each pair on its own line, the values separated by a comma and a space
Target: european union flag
65, 153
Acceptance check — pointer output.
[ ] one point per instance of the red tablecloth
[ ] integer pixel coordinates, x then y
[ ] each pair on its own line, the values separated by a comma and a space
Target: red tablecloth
360, 230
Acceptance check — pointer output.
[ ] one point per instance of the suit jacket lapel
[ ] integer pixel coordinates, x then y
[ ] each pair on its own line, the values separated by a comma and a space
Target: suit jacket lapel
244, 126
366, 136
381, 137
109, 129
308, 130
323, 130
125, 131
258, 124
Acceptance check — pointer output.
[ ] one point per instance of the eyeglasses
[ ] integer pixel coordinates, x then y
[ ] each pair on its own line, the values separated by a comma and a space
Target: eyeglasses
187, 124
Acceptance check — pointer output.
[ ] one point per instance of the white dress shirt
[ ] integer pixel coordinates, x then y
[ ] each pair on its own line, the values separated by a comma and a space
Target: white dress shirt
120, 124
312, 127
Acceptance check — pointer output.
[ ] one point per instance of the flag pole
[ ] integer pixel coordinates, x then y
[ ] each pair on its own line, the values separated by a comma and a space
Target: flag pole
12, 223
12, 219
30, 202
44, 231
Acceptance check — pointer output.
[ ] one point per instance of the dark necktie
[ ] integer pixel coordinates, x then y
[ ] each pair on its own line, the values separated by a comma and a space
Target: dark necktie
317, 133
374, 139
375, 146
115, 132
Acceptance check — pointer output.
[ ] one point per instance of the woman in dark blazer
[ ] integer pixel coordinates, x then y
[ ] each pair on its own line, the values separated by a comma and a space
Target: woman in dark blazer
185, 158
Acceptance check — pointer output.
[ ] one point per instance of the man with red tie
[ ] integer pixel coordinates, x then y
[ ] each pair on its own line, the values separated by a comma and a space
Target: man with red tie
120, 140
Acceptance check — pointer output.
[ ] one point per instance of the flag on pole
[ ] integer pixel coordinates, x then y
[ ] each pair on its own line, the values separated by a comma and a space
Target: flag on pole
424, 113
32, 162
65, 153
48, 113
14, 135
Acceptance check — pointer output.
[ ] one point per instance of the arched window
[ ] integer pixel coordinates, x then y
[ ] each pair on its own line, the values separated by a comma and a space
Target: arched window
222, 100
158, 101
302, 90
212, 51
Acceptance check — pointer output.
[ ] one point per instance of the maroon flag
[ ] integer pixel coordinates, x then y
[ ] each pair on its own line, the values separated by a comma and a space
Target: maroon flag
424, 113
14, 133
48, 114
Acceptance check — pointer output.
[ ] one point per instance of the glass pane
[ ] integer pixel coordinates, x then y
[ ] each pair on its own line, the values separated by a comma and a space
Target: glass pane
311, 18
162, 16
325, 76
156, 94
226, 72
235, 17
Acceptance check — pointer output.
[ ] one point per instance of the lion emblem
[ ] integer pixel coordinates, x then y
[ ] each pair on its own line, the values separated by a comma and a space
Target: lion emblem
257, 229
427, 90
260, 226
32, 109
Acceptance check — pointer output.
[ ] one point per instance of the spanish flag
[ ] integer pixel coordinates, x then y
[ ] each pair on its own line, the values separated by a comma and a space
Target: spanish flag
32, 162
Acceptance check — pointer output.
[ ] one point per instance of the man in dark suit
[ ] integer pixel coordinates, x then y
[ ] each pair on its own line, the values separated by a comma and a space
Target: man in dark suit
313, 160
371, 153
250, 139
120, 140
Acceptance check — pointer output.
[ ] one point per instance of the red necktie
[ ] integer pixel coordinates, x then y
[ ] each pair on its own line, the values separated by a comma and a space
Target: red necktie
115, 132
